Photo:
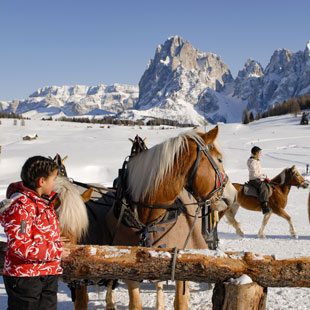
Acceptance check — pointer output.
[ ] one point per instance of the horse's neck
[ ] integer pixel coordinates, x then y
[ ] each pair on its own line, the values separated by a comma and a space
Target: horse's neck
166, 195
167, 191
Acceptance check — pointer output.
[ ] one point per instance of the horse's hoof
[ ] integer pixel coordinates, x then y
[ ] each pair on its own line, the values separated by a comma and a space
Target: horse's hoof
240, 233
262, 236
295, 236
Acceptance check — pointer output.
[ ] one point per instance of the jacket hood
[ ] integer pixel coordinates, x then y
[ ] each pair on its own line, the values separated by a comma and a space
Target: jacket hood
18, 187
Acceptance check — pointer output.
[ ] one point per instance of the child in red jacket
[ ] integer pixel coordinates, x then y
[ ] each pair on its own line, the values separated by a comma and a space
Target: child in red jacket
32, 260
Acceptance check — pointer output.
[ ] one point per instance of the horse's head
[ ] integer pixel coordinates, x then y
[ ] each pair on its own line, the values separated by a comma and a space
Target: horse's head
207, 178
192, 160
60, 164
138, 145
295, 178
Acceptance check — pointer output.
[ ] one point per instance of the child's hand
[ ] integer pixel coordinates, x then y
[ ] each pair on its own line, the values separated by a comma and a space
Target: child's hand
65, 253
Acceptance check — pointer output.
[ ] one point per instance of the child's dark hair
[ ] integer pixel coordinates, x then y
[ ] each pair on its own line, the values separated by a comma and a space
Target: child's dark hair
34, 168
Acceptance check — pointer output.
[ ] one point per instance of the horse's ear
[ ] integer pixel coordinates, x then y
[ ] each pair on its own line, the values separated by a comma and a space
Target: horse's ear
210, 136
64, 158
130, 140
87, 194
293, 168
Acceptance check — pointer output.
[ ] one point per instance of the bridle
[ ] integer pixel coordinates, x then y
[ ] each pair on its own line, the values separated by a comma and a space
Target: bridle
293, 177
221, 178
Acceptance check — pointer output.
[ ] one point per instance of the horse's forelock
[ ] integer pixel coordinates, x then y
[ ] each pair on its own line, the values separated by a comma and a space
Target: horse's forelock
147, 169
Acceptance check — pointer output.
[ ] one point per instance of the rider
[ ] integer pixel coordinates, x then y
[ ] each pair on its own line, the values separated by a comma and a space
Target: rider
257, 178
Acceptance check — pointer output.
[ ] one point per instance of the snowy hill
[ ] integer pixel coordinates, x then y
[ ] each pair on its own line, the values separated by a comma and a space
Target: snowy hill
95, 154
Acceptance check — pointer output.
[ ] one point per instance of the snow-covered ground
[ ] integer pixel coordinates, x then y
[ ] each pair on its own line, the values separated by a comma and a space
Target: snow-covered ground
95, 154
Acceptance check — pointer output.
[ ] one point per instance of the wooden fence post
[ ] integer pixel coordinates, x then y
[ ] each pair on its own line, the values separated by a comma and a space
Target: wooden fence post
233, 296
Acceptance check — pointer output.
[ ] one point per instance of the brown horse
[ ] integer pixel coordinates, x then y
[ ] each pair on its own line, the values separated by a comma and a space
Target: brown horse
154, 180
277, 202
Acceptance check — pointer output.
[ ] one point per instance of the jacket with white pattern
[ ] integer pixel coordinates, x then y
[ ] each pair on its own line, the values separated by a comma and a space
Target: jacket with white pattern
36, 251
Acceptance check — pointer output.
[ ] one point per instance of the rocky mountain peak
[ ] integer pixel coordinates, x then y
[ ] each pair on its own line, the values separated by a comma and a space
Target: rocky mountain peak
250, 69
307, 51
279, 61
177, 72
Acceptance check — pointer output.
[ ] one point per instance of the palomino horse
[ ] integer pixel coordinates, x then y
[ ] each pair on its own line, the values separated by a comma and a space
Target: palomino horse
153, 181
277, 202
81, 224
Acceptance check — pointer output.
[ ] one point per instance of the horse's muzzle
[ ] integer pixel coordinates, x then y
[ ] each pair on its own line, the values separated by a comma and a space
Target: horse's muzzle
305, 184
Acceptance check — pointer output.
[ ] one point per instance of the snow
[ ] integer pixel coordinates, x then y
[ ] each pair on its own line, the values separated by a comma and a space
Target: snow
95, 155
244, 279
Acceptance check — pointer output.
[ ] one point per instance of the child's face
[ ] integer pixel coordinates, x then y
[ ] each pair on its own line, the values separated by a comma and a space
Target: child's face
48, 184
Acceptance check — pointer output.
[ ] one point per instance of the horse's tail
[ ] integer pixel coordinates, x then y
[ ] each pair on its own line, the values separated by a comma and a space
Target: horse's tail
309, 207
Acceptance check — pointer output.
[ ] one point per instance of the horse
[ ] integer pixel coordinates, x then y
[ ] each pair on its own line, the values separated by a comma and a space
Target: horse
153, 181
81, 224
151, 207
281, 185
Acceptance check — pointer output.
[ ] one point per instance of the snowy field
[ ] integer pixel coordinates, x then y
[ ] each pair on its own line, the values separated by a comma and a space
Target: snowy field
95, 154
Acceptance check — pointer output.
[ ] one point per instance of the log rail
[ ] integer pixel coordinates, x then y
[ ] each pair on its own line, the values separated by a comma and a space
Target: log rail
138, 263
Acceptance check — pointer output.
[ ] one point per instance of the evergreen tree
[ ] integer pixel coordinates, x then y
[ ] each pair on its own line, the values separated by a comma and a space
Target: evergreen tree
251, 117
245, 117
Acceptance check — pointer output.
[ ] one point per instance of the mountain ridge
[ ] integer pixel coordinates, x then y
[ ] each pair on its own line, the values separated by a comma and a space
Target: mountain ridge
180, 83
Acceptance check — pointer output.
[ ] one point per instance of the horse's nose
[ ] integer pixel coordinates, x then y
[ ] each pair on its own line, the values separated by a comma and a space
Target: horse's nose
305, 184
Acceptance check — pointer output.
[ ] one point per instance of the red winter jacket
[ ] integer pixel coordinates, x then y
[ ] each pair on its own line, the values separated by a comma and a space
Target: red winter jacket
31, 227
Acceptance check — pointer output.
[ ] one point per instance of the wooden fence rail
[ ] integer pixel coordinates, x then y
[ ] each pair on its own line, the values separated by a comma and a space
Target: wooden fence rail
138, 263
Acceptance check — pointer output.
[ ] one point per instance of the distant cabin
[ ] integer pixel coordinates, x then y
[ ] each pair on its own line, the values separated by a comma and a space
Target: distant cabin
29, 138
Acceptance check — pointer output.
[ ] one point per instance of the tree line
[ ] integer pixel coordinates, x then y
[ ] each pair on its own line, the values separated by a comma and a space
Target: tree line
290, 106
124, 122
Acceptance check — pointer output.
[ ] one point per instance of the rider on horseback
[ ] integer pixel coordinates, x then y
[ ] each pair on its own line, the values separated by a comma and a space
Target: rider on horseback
257, 178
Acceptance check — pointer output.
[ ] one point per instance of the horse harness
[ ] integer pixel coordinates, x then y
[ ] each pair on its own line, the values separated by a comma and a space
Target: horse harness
124, 207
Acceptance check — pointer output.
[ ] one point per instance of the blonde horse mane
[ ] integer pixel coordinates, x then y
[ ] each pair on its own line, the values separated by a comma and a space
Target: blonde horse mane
147, 169
73, 219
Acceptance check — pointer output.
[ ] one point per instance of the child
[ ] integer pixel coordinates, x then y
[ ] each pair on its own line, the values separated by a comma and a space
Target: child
32, 260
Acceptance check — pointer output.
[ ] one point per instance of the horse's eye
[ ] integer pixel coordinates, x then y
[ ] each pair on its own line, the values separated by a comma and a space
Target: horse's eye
220, 160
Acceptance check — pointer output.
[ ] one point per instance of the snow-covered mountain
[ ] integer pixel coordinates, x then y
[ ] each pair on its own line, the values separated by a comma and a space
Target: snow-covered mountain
76, 100
183, 84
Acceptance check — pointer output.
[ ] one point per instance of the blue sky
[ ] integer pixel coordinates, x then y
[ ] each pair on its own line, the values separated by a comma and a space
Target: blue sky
68, 42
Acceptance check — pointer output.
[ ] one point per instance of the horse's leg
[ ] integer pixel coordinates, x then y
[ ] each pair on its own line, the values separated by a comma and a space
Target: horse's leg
81, 298
109, 297
282, 213
181, 301
264, 223
160, 296
135, 302
230, 215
